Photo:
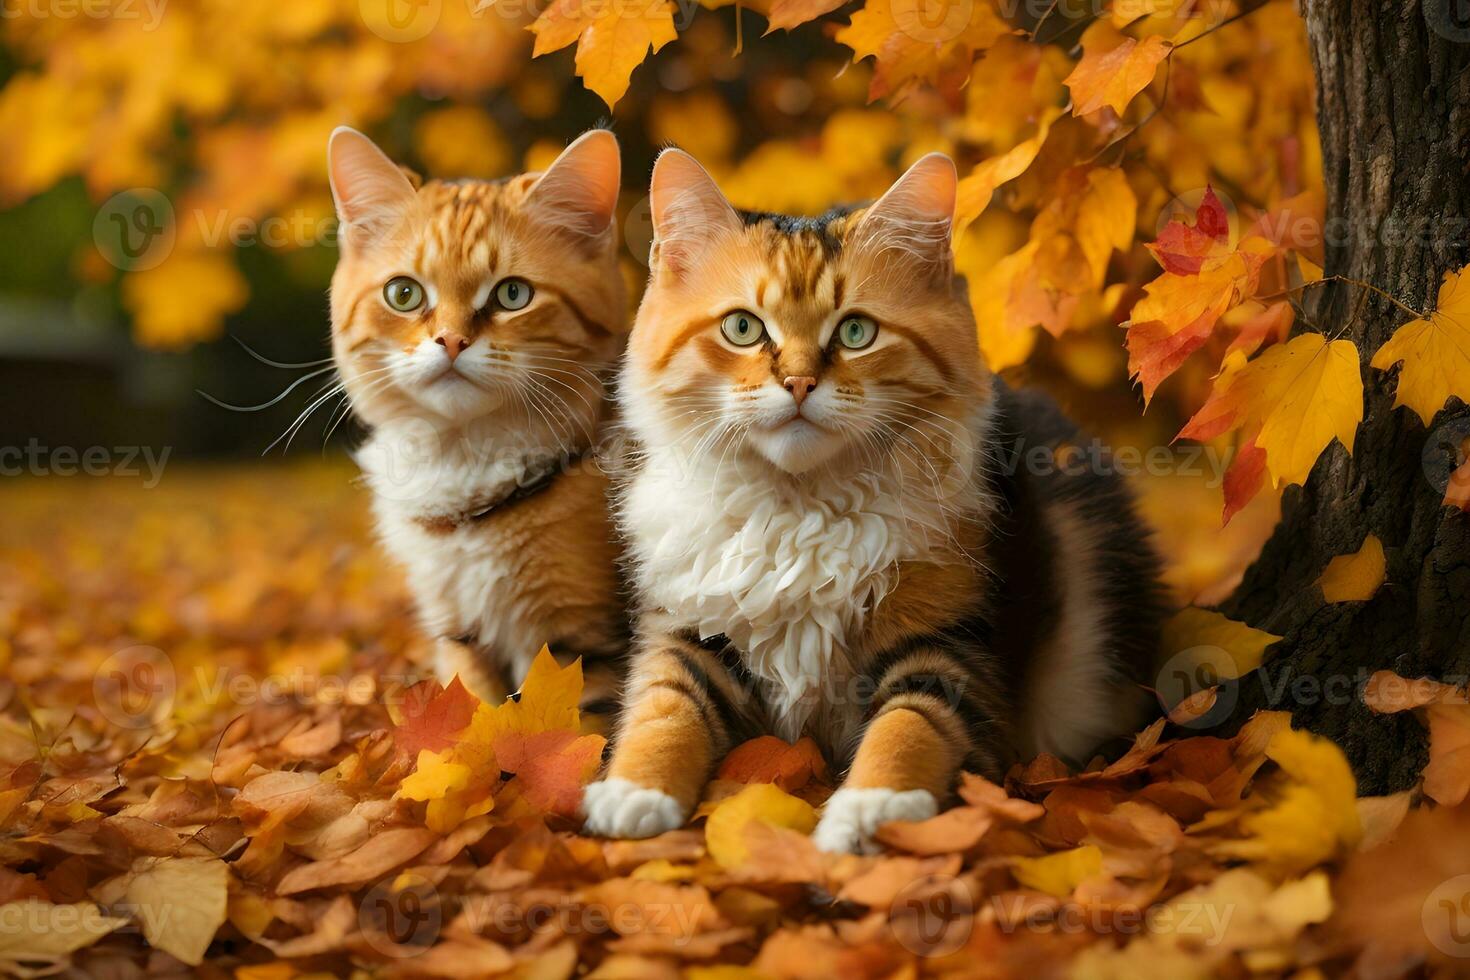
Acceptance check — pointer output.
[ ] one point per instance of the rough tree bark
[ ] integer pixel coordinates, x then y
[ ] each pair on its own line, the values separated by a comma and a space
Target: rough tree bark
1394, 112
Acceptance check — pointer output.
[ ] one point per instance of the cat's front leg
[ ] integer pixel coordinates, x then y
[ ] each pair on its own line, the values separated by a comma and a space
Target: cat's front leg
681, 713
456, 658
929, 718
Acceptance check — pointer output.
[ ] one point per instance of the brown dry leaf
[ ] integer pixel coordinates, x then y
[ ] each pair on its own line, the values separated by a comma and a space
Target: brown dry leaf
1196, 706
38, 933
180, 902
382, 853
636, 907
1447, 777
1381, 816
1192, 935
779, 854
957, 829
984, 795
1387, 693
1400, 903
460, 957
880, 884
1445, 709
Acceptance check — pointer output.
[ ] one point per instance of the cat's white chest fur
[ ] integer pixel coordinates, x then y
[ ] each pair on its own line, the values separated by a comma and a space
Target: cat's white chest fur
463, 580
787, 571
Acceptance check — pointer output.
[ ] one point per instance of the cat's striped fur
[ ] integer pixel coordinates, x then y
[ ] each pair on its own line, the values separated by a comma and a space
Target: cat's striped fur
876, 566
480, 463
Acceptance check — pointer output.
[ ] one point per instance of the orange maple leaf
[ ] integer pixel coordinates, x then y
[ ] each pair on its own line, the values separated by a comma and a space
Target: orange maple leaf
1184, 248
786, 14
613, 37
1111, 74
1457, 494
768, 759
553, 768
1295, 399
431, 717
912, 41
1203, 278
1244, 478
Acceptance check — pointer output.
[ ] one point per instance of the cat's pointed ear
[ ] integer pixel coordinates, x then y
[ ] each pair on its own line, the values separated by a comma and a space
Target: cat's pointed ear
689, 212
579, 191
914, 218
370, 191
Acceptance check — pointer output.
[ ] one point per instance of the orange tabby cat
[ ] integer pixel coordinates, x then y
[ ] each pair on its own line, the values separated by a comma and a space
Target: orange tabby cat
829, 532
473, 324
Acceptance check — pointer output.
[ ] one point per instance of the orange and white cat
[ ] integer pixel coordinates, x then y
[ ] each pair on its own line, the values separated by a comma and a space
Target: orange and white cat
474, 325
828, 532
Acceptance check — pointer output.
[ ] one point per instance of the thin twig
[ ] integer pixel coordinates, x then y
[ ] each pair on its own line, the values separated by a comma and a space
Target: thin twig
1352, 282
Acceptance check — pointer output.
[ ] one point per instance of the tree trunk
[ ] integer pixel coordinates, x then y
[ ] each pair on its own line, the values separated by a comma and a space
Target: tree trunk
1393, 82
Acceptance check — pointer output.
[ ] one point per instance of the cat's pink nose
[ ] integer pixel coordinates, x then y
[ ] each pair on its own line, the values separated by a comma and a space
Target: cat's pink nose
800, 388
453, 343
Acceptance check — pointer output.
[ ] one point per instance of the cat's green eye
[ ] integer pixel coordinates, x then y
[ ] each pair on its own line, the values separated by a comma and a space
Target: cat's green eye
742, 328
857, 332
513, 294
403, 294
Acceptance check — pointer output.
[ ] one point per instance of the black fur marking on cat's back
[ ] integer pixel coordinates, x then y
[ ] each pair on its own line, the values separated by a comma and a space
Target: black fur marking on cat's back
795, 225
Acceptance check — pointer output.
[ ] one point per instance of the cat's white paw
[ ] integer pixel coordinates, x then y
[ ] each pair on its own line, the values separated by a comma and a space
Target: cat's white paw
618, 808
852, 816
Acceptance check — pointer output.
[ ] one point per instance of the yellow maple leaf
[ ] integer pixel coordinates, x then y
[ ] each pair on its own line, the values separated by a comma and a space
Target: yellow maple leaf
1315, 394
1113, 69
613, 37
1297, 397
976, 187
1058, 874
1312, 816
985, 257
436, 775
1435, 351
1106, 217
1223, 649
724, 833
1031, 76
547, 702
1355, 577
